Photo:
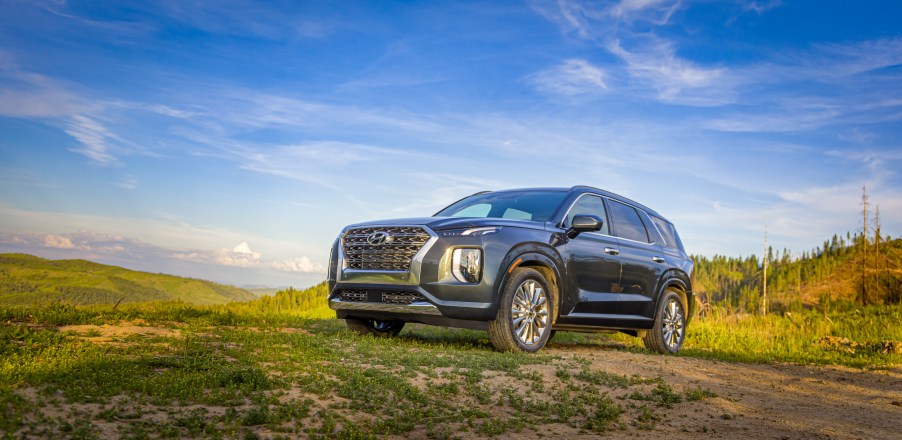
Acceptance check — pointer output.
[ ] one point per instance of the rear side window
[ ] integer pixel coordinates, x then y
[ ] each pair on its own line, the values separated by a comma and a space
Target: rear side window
627, 223
588, 205
671, 239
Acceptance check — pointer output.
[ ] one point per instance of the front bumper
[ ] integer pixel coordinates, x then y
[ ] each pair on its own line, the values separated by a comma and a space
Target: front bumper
439, 300
416, 308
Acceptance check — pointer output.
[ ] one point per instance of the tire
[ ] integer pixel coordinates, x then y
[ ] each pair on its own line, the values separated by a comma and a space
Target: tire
375, 327
525, 313
669, 331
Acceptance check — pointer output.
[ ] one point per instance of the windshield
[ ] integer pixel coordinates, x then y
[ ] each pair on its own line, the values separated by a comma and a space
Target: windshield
536, 206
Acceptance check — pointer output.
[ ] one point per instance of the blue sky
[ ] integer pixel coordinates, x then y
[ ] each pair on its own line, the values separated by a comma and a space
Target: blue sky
232, 140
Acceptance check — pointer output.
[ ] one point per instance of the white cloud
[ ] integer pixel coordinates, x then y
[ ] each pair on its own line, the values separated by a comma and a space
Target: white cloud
56, 241
760, 7
652, 11
299, 264
240, 256
94, 139
656, 65
572, 77
594, 20
127, 182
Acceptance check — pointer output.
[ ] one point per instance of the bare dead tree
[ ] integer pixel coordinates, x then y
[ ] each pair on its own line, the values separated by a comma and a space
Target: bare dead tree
864, 246
764, 279
877, 230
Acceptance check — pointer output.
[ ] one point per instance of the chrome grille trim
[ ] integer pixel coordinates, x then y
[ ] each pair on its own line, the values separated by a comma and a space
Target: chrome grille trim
384, 296
396, 254
401, 297
353, 295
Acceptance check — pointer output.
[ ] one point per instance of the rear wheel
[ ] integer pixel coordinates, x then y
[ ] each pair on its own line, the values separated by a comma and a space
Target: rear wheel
375, 327
524, 316
670, 324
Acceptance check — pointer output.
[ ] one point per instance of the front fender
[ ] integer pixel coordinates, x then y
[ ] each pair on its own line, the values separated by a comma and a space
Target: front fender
527, 254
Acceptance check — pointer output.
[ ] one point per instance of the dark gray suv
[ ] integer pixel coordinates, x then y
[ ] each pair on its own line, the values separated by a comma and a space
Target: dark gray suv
521, 264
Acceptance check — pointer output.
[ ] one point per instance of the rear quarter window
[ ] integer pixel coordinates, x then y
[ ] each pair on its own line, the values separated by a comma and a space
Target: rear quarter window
668, 231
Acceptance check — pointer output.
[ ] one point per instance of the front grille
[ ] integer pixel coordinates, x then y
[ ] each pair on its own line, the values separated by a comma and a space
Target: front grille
395, 253
383, 296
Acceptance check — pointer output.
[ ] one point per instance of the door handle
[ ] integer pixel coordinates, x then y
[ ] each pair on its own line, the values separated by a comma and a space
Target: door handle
611, 251
658, 259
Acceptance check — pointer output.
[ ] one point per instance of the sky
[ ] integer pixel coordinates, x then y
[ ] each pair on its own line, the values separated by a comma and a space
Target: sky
232, 140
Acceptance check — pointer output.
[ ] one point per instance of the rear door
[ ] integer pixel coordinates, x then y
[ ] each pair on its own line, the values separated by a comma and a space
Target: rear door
642, 260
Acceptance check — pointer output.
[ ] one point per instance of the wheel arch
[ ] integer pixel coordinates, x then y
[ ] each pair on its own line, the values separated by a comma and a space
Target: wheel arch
537, 259
678, 280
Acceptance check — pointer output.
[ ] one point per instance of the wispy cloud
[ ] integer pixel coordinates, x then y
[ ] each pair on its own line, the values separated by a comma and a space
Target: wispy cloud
656, 66
94, 139
760, 7
572, 77
649, 62
600, 20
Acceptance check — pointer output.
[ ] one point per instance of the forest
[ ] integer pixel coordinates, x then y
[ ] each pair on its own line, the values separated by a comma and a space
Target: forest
854, 268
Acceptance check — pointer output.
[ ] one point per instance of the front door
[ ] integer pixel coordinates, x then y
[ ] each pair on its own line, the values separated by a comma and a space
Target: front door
592, 261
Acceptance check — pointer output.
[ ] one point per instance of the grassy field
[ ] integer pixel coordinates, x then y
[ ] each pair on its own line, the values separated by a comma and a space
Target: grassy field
848, 334
178, 371
173, 370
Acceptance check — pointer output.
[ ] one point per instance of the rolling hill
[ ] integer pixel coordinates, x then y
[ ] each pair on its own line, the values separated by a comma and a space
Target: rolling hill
26, 279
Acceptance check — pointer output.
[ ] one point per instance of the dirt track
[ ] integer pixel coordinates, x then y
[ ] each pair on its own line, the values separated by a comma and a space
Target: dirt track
762, 401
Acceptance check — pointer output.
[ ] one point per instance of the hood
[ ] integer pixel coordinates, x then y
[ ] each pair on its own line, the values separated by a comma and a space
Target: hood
444, 223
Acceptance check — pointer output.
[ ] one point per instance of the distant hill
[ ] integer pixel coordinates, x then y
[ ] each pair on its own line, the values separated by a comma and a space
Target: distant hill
26, 279
844, 269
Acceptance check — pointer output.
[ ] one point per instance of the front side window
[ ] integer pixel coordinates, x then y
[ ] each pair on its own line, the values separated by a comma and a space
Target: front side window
588, 205
536, 206
627, 223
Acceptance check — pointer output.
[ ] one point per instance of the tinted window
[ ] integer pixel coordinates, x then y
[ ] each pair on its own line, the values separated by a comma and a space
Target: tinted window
523, 205
668, 232
627, 223
588, 205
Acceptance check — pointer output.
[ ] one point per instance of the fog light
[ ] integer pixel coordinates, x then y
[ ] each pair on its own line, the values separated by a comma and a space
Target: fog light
466, 264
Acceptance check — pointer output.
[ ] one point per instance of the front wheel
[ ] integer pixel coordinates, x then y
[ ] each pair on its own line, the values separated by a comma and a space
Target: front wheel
670, 324
525, 314
375, 327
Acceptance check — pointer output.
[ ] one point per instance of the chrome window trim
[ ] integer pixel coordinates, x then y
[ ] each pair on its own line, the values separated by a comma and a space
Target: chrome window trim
638, 210
560, 224
651, 220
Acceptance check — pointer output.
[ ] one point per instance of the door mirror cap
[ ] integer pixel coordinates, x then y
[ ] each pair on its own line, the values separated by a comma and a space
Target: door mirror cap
584, 223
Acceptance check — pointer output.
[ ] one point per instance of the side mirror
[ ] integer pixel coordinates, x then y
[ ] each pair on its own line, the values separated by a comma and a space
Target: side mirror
584, 223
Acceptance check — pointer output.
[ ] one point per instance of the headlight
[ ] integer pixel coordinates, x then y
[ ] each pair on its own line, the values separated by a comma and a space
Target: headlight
486, 230
466, 264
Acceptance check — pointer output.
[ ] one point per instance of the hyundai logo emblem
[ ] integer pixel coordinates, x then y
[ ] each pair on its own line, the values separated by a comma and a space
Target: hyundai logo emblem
377, 238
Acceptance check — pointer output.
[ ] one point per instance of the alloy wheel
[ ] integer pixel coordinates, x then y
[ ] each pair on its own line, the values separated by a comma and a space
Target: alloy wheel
529, 312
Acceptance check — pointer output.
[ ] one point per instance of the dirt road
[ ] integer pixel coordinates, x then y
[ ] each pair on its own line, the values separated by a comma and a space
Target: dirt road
762, 401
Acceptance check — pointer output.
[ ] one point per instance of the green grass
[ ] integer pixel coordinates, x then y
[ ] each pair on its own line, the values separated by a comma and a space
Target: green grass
220, 373
849, 335
239, 370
